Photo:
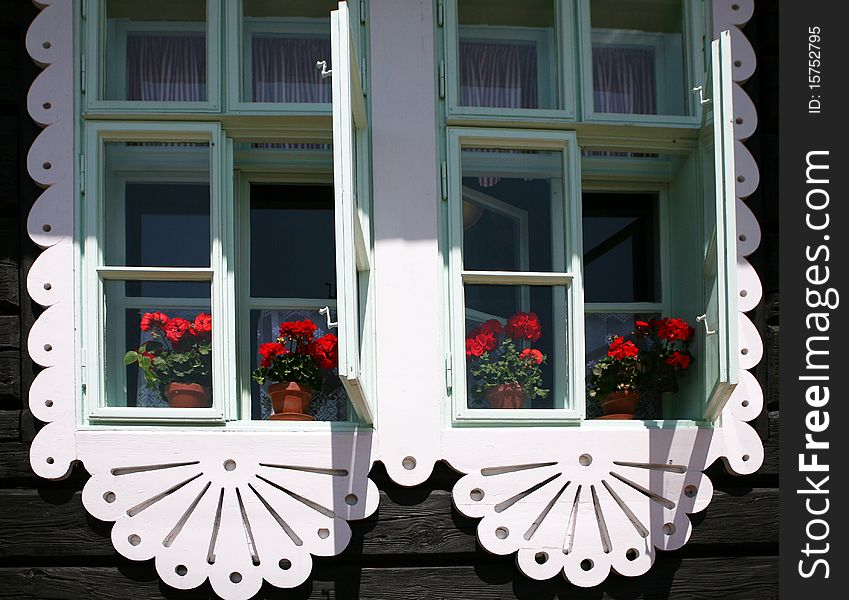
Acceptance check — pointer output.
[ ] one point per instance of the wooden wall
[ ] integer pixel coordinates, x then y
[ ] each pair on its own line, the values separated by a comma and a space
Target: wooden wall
416, 546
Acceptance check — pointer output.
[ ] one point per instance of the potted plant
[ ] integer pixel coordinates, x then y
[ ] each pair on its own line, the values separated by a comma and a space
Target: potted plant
177, 360
506, 370
651, 361
294, 364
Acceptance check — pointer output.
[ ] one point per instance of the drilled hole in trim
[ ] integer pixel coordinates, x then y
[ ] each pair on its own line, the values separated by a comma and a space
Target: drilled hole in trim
744, 403
351, 499
134, 539
746, 458
46, 45
585, 459
48, 403
738, 63
46, 106
744, 351
47, 286
235, 577
501, 533
632, 554
109, 497
741, 178
476, 494
181, 570
739, 120
690, 491
742, 237
541, 558
47, 165
323, 533
587, 564
50, 460
669, 528
285, 564
409, 463
743, 293
229, 465
735, 7
48, 347
46, 227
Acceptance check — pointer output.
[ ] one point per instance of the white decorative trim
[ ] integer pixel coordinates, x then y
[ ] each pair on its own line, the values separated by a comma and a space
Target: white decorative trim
272, 500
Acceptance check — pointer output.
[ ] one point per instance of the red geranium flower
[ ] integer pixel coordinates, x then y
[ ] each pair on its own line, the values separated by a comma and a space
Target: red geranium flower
299, 331
531, 355
325, 350
620, 348
269, 351
155, 319
679, 360
493, 326
524, 326
176, 329
643, 328
474, 349
202, 327
674, 329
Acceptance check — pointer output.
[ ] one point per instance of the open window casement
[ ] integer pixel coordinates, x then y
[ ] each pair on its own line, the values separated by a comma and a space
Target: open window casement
717, 322
352, 250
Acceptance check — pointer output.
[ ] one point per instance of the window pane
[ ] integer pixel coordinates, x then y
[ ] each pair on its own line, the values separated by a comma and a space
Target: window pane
149, 205
507, 54
512, 210
638, 57
281, 43
169, 335
621, 247
599, 327
509, 330
155, 51
292, 241
329, 401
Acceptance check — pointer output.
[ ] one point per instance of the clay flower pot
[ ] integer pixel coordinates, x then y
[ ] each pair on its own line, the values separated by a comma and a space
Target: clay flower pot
187, 395
290, 401
619, 404
506, 395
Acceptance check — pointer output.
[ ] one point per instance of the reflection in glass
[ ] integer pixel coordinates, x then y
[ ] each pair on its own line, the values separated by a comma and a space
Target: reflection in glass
281, 44
507, 54
168, 344
515, 346
638, 57
155, 51
512, 220
621, 247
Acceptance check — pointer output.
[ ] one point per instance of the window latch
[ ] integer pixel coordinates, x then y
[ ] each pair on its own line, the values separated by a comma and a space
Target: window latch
326, 312
322, 67
703, 319
701, 90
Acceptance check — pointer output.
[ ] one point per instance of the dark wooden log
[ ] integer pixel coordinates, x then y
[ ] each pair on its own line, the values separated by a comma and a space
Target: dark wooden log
14, 461
9, 282
10, 378
10, 424
10, 332
51, 521
496, 579
8, 240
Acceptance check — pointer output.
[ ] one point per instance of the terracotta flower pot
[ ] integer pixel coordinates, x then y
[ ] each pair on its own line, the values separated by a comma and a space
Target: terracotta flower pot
619, 404
187, 395
290, 401
506, 395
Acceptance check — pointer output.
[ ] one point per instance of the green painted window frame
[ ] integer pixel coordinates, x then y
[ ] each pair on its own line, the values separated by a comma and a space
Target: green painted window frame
561, 56
693, 32
95, 69
566, 223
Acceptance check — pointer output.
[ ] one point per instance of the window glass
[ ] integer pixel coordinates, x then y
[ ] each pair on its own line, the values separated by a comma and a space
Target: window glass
638, 64
292, 277
621, 247
507, 54
281, 43
148, 201
511, 203
516, 355
157, 338
156, 51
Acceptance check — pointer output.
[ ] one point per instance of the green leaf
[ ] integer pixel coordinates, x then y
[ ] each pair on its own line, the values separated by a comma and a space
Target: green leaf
131, 357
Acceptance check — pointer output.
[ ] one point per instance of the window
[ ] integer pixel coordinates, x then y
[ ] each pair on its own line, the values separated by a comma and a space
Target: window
242, 223
592, 230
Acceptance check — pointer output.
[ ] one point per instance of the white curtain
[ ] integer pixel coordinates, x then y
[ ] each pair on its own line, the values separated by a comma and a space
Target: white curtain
498, 75
284, 69
166, 68
624, 80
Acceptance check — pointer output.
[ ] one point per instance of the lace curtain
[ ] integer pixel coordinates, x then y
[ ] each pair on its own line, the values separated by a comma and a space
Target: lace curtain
624, 80
166, 68
284, 69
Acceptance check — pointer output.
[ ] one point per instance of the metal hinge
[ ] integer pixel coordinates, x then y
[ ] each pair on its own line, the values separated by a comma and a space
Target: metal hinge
83, 380
449, 374
82, 174
443, 179
82, 8
440, 13
363, 76
82, 74
362, 11
442, 79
